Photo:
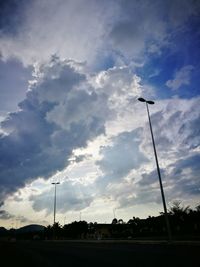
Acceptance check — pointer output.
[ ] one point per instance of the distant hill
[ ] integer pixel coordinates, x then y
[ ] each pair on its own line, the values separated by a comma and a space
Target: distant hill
3, 230
31, 228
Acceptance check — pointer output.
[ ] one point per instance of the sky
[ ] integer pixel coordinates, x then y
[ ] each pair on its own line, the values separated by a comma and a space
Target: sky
71, 72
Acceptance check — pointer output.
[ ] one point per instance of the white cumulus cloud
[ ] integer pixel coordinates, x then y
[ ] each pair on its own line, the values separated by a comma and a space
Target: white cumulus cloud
181, 77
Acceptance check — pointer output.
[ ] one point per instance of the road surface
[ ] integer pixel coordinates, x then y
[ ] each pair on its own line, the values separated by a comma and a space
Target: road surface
72, 254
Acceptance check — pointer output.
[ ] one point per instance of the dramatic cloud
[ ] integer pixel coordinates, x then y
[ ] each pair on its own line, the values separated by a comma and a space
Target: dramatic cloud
185, 177
103, 30
4, 215
134, 28
14, 82
177, 148
180, 181
119, 158
149, 27
70, 197
59, 31
39, 138
183, 134
78, 115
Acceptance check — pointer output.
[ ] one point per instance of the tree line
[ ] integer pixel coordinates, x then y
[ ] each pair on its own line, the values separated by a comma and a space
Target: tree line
184, 223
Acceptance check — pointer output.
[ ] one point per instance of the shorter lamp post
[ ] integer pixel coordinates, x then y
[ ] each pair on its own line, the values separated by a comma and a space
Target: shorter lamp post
54, 217
148, 102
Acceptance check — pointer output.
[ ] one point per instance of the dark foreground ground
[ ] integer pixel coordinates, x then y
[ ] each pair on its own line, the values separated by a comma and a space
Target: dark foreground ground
72, 254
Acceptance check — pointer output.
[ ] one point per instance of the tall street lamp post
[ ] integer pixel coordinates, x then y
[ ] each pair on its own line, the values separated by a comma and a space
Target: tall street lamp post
158, 169
54, 217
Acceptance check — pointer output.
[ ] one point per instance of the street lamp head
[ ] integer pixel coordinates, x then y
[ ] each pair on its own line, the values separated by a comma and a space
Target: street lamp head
150, 102
144, 100
141, 99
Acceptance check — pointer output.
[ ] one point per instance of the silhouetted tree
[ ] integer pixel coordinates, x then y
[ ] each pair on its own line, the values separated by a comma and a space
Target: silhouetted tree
120, 221
197, 208
177, 209
76, 229
114, 221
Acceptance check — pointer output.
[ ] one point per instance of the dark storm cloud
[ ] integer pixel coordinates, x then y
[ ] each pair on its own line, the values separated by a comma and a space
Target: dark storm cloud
150, 178
38, 142
185, 176
181, 181
148, 25
14, 81
4, 215
11, 16
145, 191
59, 80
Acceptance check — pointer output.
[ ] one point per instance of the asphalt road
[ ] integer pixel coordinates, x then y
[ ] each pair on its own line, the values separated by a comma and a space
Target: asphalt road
72, 254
